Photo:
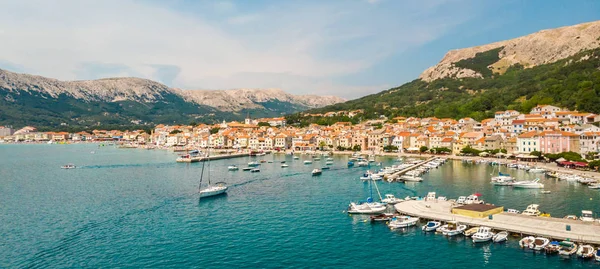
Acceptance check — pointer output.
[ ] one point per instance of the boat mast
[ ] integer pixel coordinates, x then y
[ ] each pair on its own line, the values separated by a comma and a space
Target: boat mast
201, 175
208, 160
378, 193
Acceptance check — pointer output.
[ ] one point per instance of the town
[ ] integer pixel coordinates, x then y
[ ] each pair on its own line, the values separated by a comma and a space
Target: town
546, 129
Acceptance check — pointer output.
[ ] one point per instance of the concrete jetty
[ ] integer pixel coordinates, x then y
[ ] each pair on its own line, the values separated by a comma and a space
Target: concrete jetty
553, 228
396, 175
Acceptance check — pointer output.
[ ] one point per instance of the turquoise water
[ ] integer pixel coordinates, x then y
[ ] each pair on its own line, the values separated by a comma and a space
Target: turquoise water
137, 208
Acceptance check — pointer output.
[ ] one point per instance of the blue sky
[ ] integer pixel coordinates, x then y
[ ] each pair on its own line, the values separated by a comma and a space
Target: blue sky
348, 48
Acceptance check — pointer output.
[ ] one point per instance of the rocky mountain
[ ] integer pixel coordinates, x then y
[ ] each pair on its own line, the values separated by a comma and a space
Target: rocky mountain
543, 47
558, 66
41, 101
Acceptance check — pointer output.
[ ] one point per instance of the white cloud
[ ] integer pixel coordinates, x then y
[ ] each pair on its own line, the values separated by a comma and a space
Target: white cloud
290, 45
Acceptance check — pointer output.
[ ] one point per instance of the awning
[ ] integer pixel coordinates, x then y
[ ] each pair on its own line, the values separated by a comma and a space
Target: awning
561, 159
412, 149
565, 163
580, 164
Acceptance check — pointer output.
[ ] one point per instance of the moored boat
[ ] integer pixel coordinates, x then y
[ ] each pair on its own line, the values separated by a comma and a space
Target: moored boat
368, 207
539, 243
382, 217
552, 248
402, 222
431, 226
253, 164
535, 184
483, 234
525, 242
284, 165
500, 237
391, 199
532, 210
316, 172
68, 166
255, 170
586, 251
471, 231
307, 162
233, 168
246, 168
567, 248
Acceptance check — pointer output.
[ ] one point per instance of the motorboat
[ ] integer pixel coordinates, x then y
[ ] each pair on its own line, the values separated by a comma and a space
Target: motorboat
411, 178
532, 210
233, 168
329, 159
382, 217
473, 199
597, 255
284, 165
246, 168
307, 162
500, 237
402, 222
513, 211
255, 170
366, 176
282, 161
570, 217
539, 243
296, 157
68, 166
567, 248
366, 207
552, 248
253, 164
350, 164
376, 177
316, 172
328, 162
362, 163
586, 251
526, 242
536, 170
391, 199
546, 192
503, 180
453, 228
587, 215
483, 234
534, 184
471, 231
317, 159
325, 168
431, 226
594, 186
461, 200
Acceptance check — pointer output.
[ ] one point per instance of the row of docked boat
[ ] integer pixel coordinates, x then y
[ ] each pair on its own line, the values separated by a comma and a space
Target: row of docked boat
593, 183
564, 248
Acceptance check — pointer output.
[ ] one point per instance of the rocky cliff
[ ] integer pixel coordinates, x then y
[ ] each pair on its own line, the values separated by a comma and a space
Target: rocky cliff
546, 46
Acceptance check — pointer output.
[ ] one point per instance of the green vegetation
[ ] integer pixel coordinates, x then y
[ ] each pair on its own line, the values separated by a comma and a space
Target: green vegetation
422, 149
390, 148
441, 150
469, 151
480, 62
569, 156
175, 132
572, 82
214, 130
264, 124
356, 148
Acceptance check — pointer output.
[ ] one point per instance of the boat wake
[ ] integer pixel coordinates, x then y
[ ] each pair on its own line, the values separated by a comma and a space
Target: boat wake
113, 166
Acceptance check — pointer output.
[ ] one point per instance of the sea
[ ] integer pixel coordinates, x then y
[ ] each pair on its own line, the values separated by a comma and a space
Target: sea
136, 208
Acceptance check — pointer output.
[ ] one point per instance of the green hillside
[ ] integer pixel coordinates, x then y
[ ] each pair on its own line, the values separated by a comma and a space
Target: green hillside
573, 82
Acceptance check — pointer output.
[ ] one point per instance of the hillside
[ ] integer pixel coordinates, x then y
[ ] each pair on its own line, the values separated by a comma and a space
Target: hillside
45, 102
570, 80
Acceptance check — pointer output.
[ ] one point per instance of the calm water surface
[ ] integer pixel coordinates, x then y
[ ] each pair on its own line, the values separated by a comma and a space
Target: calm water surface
137, 208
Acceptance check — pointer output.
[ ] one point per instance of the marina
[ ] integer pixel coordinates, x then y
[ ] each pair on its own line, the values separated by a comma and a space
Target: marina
193, 159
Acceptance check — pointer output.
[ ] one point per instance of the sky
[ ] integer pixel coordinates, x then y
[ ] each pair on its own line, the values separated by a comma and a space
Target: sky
347, 48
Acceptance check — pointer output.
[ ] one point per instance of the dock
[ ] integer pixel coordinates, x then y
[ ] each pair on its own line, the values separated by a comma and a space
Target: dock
396, 175
195, 159
551, 228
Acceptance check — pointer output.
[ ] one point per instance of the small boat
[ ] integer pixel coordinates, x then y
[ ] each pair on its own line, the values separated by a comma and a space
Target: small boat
329, 159
526, 242
539, 243
402, 222
535, 184
325, 168
513, 211
536, 170
366, 176
471, 231
269, 161
307, 162
500, 237
586, 251
545, 192
597, 255
232, 168
453, 228
411, 178
532, 210
552, 248
316, 172
246, 168
263, 161
282, 161
255, 170
567, 248
503, 180
296, 157
483, 234
473, 199
570, 217
284, 165
329, 163
350, 164
382, 217
391, 199
68, 166
587, 216
253, 164
594, 186
431, 226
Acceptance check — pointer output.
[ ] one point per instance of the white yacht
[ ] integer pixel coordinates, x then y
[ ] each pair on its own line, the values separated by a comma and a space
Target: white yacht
503, 180
233, 168
483, 234
473, 199
453, 228
307, 162
500, 237
532, 210
212, 190
535, 184
284, 165
587, 215
431, 226
366, 207
402, 222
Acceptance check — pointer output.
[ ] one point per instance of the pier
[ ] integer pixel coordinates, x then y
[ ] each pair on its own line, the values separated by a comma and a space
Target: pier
551, 228
396, 176
194, 159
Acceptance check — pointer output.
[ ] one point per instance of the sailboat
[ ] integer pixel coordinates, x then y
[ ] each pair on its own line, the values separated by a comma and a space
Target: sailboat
368, 207
211, 190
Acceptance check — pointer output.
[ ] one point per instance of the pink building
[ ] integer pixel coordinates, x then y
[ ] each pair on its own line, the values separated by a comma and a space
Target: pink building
558, 141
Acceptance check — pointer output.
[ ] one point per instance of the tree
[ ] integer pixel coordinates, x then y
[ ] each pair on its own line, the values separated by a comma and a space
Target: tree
536, 153
422, 149
389, 148
340, 148
594, 165
262, 123
175, 132
468, 150
322, 145
356, 148
214, 130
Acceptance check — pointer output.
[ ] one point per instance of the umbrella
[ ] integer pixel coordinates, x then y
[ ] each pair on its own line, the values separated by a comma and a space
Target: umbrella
561, 159
477, 194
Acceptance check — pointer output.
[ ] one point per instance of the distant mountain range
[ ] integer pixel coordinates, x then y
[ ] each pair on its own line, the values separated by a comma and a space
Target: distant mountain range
557, 66
45, 102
